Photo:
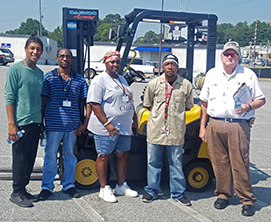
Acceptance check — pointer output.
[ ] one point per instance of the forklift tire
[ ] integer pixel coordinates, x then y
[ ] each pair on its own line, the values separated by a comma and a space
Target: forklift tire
137, 78
92, 73
198, 175
85, 172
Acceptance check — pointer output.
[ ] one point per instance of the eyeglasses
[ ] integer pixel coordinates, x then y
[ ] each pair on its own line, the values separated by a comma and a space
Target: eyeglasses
227, 54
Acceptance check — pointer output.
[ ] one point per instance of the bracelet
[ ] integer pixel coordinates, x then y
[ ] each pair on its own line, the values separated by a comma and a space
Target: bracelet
108, 121
249, 107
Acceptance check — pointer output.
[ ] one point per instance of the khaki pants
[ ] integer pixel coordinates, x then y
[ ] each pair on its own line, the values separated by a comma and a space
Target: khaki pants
228, 145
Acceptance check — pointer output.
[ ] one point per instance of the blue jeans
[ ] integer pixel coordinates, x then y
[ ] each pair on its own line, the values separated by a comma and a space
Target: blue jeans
50, 160
155, 165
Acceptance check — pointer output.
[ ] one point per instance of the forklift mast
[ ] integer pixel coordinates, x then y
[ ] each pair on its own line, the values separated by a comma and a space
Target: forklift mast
79, 27
191, 20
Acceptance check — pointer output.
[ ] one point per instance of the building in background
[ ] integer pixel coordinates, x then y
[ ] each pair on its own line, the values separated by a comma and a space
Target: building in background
16, 44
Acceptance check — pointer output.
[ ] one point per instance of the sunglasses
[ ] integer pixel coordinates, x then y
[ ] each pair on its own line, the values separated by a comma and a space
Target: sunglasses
227, 54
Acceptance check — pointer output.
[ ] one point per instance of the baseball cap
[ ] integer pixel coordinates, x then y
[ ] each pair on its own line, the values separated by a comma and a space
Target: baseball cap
170, 57
231, 45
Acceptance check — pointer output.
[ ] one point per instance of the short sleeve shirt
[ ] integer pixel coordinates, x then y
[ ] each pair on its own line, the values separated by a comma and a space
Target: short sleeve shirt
181, 99
218, 90
109, 93
60, 117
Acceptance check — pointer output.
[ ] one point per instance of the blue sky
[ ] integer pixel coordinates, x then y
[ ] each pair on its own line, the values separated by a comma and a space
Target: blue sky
13, 12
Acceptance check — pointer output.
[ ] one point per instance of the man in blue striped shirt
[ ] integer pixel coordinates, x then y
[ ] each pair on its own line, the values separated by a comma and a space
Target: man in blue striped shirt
63, 89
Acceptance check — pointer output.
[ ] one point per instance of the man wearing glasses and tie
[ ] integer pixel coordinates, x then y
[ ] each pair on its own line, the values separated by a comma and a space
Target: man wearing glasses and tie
229, 96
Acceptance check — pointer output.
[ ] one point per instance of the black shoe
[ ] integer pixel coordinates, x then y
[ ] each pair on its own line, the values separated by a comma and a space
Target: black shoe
44, 195
184, 201
248, 210
30, 197
147, 198
20, 199
220, 203
72, 192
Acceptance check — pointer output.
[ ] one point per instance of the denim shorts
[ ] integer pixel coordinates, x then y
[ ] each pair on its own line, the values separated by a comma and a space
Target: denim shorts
104, 144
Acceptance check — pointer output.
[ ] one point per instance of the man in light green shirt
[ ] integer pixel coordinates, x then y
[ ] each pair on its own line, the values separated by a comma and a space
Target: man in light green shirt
23, 105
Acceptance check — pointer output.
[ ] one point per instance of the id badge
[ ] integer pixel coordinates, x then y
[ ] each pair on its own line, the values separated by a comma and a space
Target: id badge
164, 130
67, 103
125, 98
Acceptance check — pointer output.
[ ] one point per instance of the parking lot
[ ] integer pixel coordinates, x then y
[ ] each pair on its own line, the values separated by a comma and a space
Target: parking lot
89, 207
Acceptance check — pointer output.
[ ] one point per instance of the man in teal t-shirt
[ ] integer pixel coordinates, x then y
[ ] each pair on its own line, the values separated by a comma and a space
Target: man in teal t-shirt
23, 105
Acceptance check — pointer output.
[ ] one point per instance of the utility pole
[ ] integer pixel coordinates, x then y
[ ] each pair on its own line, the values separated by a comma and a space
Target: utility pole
255, 38
267, 56
160, 43
40, 18
250, 56
181, 8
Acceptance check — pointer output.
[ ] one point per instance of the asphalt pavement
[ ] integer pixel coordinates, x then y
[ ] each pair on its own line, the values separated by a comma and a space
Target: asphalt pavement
89, 207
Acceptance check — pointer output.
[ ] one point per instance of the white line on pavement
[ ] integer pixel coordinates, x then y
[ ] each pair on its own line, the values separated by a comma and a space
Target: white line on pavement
94, 215
190, 211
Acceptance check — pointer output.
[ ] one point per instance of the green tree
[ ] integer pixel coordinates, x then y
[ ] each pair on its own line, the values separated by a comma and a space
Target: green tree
150, 37
224, 33
103, 26
263, 31
28, 27
57, 35
242, 34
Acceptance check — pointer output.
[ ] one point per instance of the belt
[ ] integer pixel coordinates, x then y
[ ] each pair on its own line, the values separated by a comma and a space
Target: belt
231, 120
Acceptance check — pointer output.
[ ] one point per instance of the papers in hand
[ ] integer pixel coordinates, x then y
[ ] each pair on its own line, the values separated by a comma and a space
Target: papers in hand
243, 94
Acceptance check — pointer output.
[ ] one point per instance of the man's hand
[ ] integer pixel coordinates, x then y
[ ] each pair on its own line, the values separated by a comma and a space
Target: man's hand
42, 129
12, 133
243, 108
202, 135
80, 129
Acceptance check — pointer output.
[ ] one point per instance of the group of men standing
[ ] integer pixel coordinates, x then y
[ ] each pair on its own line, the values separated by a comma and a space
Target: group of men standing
32, 97
226, 129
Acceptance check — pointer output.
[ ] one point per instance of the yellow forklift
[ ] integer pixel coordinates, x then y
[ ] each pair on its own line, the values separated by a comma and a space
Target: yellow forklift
196, 161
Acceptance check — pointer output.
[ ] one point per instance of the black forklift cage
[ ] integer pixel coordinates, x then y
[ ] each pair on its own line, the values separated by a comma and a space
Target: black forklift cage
191, 19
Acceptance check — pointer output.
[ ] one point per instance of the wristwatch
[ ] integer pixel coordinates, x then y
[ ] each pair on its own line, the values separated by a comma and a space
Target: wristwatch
249, 109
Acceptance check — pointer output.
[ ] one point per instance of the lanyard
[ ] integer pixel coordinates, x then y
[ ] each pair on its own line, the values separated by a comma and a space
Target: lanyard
64, 88
167, 97
119, 85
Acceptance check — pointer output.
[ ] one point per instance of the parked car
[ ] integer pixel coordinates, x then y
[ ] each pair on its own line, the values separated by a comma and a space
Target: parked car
268, 63
245, 61
3, 59
145, 69
263, 61
156, 66
9, 55
260, 62
138, 65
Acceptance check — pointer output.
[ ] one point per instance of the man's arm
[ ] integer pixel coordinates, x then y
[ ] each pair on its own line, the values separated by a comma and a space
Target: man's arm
203, 121
43, 105
256, 104
12, 129
83, 127
135, 123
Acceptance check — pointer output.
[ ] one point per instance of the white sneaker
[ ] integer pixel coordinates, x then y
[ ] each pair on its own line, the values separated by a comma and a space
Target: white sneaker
106, 194
125, 190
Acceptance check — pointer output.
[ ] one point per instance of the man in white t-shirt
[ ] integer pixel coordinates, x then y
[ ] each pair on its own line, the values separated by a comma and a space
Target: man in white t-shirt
228, 130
